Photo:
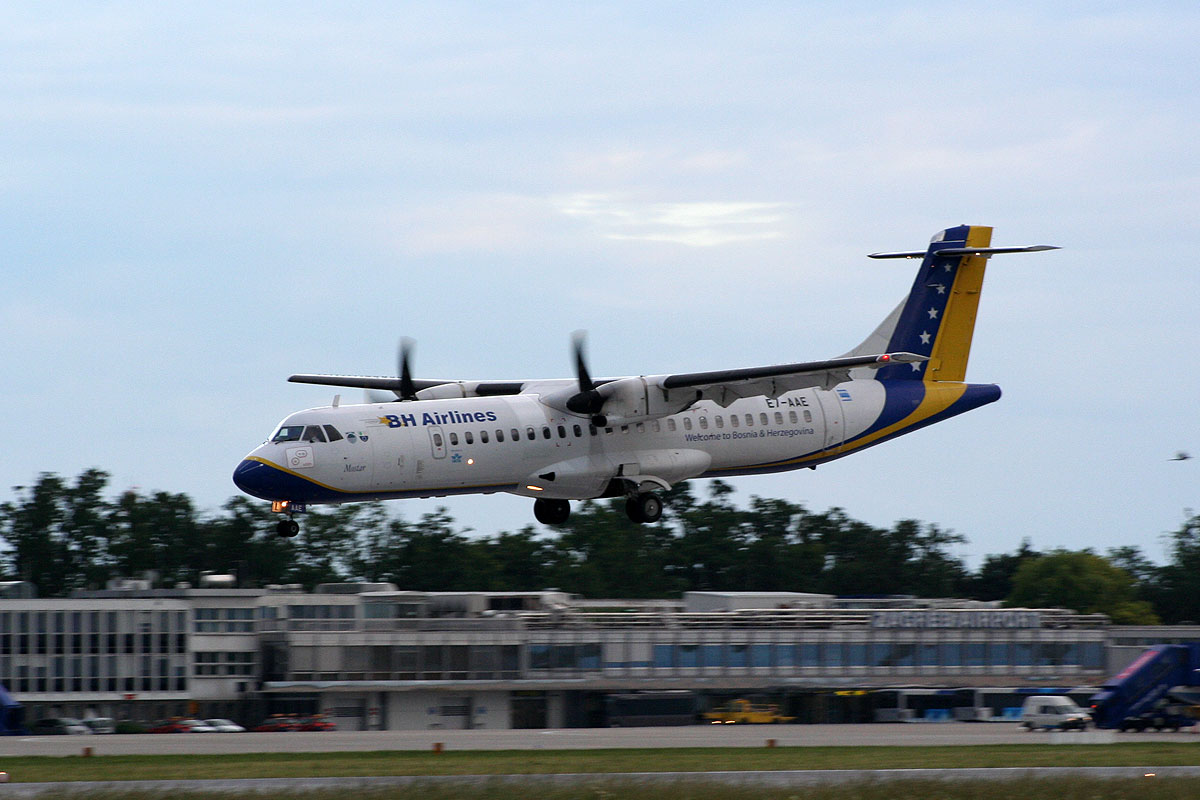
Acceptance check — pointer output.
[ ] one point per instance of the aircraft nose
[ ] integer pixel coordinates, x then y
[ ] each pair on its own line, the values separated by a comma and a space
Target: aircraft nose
254, 478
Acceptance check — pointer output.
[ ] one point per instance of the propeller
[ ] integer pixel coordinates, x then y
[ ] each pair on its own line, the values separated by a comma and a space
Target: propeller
408, 390
588, 401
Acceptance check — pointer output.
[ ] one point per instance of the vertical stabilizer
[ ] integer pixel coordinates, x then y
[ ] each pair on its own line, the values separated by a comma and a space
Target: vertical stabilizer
937, 319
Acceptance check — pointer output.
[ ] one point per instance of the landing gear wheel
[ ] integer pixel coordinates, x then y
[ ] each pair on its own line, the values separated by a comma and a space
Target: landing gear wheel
287, 528
551, 512
646, 507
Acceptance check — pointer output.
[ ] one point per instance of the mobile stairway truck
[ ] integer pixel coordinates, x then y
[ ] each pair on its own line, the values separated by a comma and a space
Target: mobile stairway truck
1154, 691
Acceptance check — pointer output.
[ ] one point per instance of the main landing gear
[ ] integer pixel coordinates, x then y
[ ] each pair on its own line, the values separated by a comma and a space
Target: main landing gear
643, 507
287, 528
551, 512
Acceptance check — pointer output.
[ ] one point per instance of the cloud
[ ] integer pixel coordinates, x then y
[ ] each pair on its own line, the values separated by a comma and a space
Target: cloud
695, 224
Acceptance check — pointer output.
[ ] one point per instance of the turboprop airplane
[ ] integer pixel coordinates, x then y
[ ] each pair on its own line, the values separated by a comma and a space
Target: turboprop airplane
635, 437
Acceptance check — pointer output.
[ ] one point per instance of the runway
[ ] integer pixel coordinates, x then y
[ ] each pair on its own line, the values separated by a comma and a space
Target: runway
919, 734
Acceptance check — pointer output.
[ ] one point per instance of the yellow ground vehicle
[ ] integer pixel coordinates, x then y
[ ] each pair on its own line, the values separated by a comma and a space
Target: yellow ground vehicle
744, 712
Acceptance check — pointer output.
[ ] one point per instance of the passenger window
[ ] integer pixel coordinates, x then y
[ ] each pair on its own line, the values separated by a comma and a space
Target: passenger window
313, 433
453, 439
499, 434
733, 420
608, 430
332, 433
704, 423
529, 434
592, 430
762, 418
670, 425
545, 431
483, 437
655, 426
778, 417
720, 421
470, 439
749, 420
288, 433
624, 429
641, 427
578, 431
687, 423
807, 415
516, 435
437, 440
792, 417
562, 432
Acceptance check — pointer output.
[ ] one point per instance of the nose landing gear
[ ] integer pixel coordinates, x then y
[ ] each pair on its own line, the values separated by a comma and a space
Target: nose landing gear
287, 528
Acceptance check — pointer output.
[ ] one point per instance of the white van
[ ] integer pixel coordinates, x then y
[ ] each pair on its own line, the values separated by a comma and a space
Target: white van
1053, 712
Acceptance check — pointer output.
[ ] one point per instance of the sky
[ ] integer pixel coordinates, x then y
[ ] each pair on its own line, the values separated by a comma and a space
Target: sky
198, 200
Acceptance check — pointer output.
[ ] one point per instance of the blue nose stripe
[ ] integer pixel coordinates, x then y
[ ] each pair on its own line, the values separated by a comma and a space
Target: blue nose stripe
257, 479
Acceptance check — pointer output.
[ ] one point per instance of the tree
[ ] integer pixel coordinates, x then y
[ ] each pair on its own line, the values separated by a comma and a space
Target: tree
56, 533
1082, 581
1178, 591
994, 580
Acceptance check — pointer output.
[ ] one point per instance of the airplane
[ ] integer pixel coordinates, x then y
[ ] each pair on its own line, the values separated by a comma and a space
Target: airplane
635, 437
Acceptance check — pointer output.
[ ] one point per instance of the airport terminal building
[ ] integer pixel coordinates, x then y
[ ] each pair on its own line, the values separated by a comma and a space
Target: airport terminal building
372, 657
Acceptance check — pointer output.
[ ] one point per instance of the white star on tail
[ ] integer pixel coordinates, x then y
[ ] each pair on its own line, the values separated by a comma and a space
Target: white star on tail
933, 313
925, 337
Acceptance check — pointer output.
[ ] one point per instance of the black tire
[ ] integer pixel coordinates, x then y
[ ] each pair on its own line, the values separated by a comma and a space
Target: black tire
551, 512
287, 528
646, 507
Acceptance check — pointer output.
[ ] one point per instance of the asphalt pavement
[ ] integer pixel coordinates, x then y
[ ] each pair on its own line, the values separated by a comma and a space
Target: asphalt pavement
918, 734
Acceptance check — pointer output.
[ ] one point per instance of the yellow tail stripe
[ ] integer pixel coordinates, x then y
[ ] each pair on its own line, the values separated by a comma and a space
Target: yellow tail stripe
948, 361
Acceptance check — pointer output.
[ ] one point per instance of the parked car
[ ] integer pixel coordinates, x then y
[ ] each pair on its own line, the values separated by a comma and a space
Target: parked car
276, 724
224, 726
58, 726
182, 726
318, 722
101, 724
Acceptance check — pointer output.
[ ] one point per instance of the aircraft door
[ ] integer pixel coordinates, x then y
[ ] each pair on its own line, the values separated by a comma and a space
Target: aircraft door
835, 422
437, 441
393, 458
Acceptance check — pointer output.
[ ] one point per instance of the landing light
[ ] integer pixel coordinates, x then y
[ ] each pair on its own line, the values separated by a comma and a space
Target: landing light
470, 461
535, 488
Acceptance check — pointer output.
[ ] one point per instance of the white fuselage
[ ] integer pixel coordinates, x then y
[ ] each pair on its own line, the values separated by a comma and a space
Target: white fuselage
518, 444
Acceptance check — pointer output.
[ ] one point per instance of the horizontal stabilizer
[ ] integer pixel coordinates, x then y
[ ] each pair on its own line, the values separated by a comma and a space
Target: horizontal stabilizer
947, 252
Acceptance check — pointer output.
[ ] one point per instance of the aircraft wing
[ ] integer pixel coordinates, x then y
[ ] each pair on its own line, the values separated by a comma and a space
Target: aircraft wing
443, 388
725, 386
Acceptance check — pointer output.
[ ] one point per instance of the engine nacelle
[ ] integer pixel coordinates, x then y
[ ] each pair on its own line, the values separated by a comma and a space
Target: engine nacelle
443, 391
636, 400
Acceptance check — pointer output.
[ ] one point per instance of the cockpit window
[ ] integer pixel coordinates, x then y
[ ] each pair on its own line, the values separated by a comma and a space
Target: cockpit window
332, 433
313, 433
288, 433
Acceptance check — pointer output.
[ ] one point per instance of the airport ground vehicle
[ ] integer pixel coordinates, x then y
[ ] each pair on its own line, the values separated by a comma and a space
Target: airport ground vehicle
743, 712
1053, 712
1154, 691
650, 709
12, 715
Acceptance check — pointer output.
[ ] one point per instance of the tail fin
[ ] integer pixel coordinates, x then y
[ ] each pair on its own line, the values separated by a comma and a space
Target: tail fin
937, 319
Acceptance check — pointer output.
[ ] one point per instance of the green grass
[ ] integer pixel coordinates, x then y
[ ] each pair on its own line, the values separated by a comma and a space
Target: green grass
1031, 789
496, 762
